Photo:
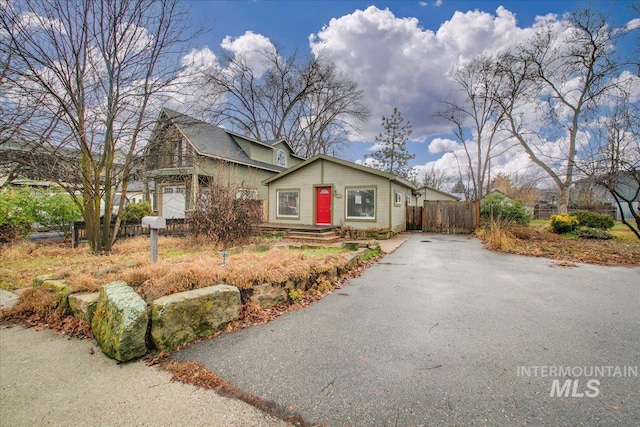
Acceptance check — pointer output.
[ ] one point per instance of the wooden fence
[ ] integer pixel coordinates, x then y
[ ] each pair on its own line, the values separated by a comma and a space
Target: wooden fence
449, 217
175, 227
414, 217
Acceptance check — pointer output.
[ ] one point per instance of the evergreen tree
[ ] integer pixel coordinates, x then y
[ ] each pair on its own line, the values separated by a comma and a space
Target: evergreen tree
393, 156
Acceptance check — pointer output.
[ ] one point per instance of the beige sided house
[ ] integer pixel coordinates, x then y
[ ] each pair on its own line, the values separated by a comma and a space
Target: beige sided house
186, 156
431, 194
324, 190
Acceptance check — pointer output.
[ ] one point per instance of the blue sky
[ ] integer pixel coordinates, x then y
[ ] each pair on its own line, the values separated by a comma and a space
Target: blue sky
436, 33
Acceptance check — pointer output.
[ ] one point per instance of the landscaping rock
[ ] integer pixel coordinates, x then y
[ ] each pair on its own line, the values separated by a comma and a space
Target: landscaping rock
62, 289
179, 318
351, 246
120, 322
352, 261
269, 295
38, 280
83, 304
373, 245
7, 299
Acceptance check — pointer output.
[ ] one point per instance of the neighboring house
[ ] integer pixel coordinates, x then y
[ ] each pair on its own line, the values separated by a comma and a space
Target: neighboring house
324, 190
137, 193
501, 193
595, 194
431, 194
185, 157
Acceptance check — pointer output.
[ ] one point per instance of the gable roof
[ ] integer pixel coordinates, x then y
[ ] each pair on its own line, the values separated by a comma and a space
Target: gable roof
341, 162
214, 141
444, 193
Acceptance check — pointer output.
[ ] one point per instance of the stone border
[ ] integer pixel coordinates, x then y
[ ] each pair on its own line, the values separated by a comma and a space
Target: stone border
124, 325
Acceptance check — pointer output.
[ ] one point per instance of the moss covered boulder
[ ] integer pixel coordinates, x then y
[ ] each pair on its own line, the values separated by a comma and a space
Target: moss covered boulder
268, 295
120, 322
61, 288
179, 318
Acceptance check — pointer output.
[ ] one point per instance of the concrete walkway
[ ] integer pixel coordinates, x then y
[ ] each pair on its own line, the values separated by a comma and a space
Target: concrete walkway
47, 379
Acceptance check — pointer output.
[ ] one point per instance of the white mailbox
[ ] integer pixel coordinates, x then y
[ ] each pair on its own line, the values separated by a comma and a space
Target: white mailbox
154, 222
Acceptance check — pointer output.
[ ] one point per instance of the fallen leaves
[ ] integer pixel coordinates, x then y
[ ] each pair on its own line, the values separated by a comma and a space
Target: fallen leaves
565, 251
196, 374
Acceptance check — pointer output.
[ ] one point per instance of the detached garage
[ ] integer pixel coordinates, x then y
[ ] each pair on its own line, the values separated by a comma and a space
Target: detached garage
324, 190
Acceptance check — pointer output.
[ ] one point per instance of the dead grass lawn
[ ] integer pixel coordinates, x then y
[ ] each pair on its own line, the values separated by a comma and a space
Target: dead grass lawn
183, 265
537, 241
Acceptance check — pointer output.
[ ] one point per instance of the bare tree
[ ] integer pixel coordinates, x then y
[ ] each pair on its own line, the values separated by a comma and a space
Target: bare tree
613, 160
518, 186
309, 103
91, 70
435, 178
477, 118
554, 85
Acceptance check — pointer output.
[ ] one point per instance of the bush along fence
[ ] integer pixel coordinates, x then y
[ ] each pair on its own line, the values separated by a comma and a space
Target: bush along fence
127, 327
175, 227
547, 211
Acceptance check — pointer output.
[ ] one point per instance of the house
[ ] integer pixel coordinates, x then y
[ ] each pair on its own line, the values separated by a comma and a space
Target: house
324, 190
591, 192
185, 157
431, 194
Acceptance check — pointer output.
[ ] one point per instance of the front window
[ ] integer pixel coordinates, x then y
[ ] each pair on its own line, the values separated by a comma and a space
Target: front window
288, 203
361, 203
398, 198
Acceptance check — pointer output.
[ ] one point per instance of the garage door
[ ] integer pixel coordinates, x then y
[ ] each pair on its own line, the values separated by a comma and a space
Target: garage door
173, 201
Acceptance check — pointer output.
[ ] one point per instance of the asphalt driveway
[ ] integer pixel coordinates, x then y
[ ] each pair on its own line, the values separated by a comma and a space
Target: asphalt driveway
443, 332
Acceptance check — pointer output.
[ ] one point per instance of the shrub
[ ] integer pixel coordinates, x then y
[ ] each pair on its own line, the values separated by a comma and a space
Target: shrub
499, 207
563, 223
224, 218
133, 212
56, 209
594, 220
296, 295
593, 233
18, 211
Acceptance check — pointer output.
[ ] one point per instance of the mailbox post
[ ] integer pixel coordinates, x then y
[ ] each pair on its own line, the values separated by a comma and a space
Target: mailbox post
154, 223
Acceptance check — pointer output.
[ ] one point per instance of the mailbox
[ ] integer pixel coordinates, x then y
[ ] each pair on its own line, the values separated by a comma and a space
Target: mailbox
154, 222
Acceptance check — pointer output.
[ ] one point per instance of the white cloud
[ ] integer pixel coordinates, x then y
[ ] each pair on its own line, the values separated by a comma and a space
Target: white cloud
186, 91
634, 24
252, 47
400, 64
439, 145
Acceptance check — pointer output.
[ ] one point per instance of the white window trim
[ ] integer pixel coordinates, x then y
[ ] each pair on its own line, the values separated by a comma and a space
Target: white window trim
284, 164
278, 214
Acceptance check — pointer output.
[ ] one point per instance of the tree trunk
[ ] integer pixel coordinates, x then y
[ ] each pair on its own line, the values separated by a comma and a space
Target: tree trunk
563, 201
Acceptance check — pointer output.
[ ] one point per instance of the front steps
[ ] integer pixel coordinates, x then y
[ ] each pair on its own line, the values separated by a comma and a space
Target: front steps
329, 236
308, 233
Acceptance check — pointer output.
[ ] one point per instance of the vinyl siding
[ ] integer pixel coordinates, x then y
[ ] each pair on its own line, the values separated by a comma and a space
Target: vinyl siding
340, 178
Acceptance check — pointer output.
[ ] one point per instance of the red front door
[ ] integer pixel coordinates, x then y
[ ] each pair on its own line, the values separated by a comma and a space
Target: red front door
323, 205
